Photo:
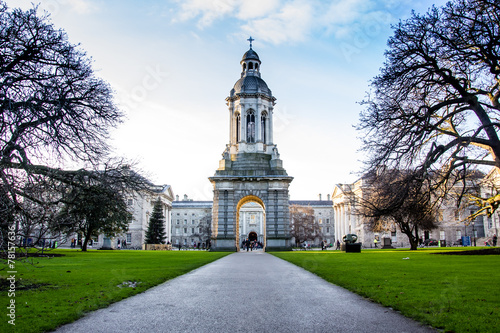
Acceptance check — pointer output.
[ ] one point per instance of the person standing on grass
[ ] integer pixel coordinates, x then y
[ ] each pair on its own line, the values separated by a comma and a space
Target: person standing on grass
494, 240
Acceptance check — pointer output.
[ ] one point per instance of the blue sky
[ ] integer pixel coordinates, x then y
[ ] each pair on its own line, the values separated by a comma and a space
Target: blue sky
172, 63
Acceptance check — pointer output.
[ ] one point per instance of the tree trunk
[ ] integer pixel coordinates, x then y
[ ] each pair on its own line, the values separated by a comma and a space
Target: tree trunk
84, 245
413, 244
87, 236
413, 240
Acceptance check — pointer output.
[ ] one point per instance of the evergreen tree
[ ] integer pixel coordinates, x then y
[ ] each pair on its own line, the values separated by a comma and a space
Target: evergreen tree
156, 230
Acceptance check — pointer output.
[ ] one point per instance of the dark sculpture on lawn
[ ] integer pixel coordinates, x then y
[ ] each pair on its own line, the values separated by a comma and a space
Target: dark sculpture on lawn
350, 238
350, 243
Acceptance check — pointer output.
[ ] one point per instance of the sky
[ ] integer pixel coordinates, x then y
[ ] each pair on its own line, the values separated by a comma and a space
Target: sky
172, 63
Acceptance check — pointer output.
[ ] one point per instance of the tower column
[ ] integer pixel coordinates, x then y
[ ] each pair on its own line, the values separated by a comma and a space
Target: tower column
257, 123
232, 128
243, 123
271, 126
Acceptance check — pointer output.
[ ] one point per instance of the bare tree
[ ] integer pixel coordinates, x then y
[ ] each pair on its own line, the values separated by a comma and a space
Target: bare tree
36, 220
396, 198
436, 105
53, 109
303, 224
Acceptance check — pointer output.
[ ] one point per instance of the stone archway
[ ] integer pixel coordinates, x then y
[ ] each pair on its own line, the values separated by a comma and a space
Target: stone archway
252, 236
243, 201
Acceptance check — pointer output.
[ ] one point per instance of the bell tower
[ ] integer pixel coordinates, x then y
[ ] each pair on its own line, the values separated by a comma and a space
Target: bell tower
250, 169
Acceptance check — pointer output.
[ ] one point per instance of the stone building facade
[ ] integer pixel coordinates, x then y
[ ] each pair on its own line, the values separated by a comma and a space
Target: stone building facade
489, 187
450, 222
141, 207
324, 217
191, 222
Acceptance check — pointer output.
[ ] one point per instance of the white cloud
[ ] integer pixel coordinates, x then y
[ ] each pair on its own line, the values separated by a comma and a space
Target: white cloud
80, 6
280, 21
56, 6
208, 11
346, 11
269, 20
250, 9
292, 23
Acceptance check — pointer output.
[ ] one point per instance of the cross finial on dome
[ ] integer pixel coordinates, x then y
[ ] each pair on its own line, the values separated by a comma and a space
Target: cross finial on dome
250, 40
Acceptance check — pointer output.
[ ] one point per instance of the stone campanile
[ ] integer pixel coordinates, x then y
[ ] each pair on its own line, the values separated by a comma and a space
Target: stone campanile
251, 169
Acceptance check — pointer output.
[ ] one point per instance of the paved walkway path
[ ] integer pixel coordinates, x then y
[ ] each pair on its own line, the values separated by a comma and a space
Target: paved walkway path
245, 292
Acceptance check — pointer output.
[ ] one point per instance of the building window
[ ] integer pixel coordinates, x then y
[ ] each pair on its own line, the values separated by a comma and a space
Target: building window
250, 127
130, 202
457, 215
238, 122
193, 221
178, 222
320, 221
185, 221
327, 229
192, 214
440, 215
327, 221
200, 230
185, 230
129, 238
192, 230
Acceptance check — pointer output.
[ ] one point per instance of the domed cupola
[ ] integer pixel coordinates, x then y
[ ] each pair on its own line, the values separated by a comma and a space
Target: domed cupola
250, 63
250, 55
250, 81
251, 85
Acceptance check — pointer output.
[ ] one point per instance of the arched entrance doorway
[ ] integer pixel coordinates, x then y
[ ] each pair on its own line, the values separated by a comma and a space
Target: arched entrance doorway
252, 236
250, 221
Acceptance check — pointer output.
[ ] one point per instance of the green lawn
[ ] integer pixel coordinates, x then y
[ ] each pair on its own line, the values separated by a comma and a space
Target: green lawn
457, 293
55, 291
